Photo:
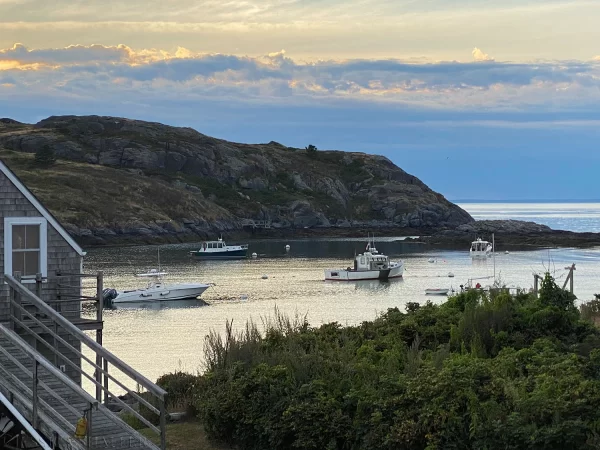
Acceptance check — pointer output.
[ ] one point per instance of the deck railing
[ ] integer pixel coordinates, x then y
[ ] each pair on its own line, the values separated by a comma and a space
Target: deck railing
44, 319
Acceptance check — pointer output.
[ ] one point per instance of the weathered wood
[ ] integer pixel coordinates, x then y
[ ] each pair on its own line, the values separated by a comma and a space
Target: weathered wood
84, 338
106, 427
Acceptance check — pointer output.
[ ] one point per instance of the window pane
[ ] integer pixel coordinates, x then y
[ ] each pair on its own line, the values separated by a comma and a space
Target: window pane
18, 236
32, 263
32, 236
18, 263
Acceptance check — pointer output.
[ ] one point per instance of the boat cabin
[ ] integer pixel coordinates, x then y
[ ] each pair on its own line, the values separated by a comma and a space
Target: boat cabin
480, 246
370, 261
214, 245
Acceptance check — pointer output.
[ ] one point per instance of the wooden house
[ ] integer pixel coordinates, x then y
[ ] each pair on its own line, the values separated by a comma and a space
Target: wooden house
43, 343
33, 242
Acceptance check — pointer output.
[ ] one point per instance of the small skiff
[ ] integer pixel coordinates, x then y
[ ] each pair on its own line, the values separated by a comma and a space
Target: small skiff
440, 291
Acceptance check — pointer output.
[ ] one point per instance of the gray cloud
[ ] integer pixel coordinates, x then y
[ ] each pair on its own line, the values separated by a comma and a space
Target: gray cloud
68, 55
123, 73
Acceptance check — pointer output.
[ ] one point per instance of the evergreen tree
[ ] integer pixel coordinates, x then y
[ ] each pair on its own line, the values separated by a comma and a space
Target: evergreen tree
45, 156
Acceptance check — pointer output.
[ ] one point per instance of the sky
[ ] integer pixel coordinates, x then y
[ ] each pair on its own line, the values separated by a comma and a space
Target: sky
480, 99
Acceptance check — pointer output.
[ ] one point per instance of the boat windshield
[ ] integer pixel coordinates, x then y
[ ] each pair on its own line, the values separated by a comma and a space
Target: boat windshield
479, 246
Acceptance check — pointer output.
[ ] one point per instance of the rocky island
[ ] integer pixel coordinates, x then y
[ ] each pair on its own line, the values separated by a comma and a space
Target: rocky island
119, 181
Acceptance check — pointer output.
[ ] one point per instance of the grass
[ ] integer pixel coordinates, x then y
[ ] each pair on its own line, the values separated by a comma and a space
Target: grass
90, 195
187, 435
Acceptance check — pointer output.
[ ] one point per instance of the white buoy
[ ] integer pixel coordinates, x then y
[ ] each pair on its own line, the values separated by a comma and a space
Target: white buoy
264, 277
431, 260
450, 274
254, 255
287, 248
506, 252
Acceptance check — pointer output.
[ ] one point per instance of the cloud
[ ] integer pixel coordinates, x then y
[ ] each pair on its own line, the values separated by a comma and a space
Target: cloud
69, 55
480, 55
99, 73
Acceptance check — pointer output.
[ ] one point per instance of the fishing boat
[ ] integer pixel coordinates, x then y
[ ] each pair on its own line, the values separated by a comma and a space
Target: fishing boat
441, 291
370, 265
220, 250
156, 290
481, 249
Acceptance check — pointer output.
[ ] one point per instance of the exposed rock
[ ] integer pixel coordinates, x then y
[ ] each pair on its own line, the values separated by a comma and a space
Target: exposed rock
510, 233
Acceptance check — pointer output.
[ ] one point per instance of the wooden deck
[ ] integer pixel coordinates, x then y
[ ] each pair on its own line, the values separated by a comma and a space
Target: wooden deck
60, 405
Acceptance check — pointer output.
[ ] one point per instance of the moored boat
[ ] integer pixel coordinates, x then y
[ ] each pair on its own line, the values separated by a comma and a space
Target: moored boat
220, 250
156, 290
434, 291
370, 265
481, 249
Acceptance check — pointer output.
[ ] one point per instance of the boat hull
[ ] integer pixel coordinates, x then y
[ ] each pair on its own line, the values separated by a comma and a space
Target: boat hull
233, 254
437, 291
396, 270
160, 295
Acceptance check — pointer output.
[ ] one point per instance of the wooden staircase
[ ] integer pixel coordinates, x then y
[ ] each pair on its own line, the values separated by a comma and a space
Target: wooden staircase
50, 401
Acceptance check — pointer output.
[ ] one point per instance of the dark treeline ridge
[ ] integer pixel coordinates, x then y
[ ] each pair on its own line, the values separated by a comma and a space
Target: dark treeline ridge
480, 371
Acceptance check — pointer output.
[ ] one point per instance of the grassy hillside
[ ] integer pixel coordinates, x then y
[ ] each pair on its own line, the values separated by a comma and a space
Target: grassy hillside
98, 196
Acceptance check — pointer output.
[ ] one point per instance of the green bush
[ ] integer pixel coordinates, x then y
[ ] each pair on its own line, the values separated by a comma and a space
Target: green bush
180, 389
477, 372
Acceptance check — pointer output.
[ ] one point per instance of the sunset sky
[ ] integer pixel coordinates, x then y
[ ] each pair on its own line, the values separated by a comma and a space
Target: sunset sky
480, 99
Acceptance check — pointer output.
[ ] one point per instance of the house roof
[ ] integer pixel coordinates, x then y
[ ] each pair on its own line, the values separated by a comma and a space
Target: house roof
41, 209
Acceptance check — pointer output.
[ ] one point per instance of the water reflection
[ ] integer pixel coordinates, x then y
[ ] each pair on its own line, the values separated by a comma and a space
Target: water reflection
479, 262
158, 305
375, 285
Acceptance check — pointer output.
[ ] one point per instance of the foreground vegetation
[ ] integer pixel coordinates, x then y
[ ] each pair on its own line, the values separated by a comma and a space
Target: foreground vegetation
477, 372
187, 435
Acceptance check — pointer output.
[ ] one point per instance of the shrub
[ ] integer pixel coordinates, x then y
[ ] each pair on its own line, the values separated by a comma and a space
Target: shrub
476, 372
180, 389
45, 156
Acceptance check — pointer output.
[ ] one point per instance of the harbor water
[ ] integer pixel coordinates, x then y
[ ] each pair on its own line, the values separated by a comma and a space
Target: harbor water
159, 338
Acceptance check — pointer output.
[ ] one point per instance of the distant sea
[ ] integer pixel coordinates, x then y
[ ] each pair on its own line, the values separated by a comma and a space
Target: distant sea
560, 215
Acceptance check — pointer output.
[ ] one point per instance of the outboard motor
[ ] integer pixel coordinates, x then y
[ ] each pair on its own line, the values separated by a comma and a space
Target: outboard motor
108, 296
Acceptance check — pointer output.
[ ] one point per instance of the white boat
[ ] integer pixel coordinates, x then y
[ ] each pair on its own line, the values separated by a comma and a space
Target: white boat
369, 265
156, 291
220, 250
481, 249
441, 291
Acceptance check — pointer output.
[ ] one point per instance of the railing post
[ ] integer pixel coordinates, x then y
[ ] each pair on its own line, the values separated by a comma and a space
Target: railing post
89, 427
17, 311
106, 380
163, 423
34, 390
12, 298
38, 285
99, 359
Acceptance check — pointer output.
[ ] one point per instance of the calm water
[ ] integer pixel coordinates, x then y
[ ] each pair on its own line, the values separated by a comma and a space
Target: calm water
560, 216
163, 338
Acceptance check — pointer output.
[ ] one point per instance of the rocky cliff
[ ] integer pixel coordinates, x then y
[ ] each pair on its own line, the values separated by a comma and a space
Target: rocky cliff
118, 179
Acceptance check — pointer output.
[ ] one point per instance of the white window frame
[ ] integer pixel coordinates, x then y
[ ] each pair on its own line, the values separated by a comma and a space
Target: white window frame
9, 222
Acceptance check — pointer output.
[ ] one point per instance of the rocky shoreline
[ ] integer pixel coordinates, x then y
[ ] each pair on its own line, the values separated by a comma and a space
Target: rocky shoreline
509, 234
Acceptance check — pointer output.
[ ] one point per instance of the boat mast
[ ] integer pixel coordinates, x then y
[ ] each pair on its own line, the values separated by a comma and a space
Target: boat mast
494, 255
158, 250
